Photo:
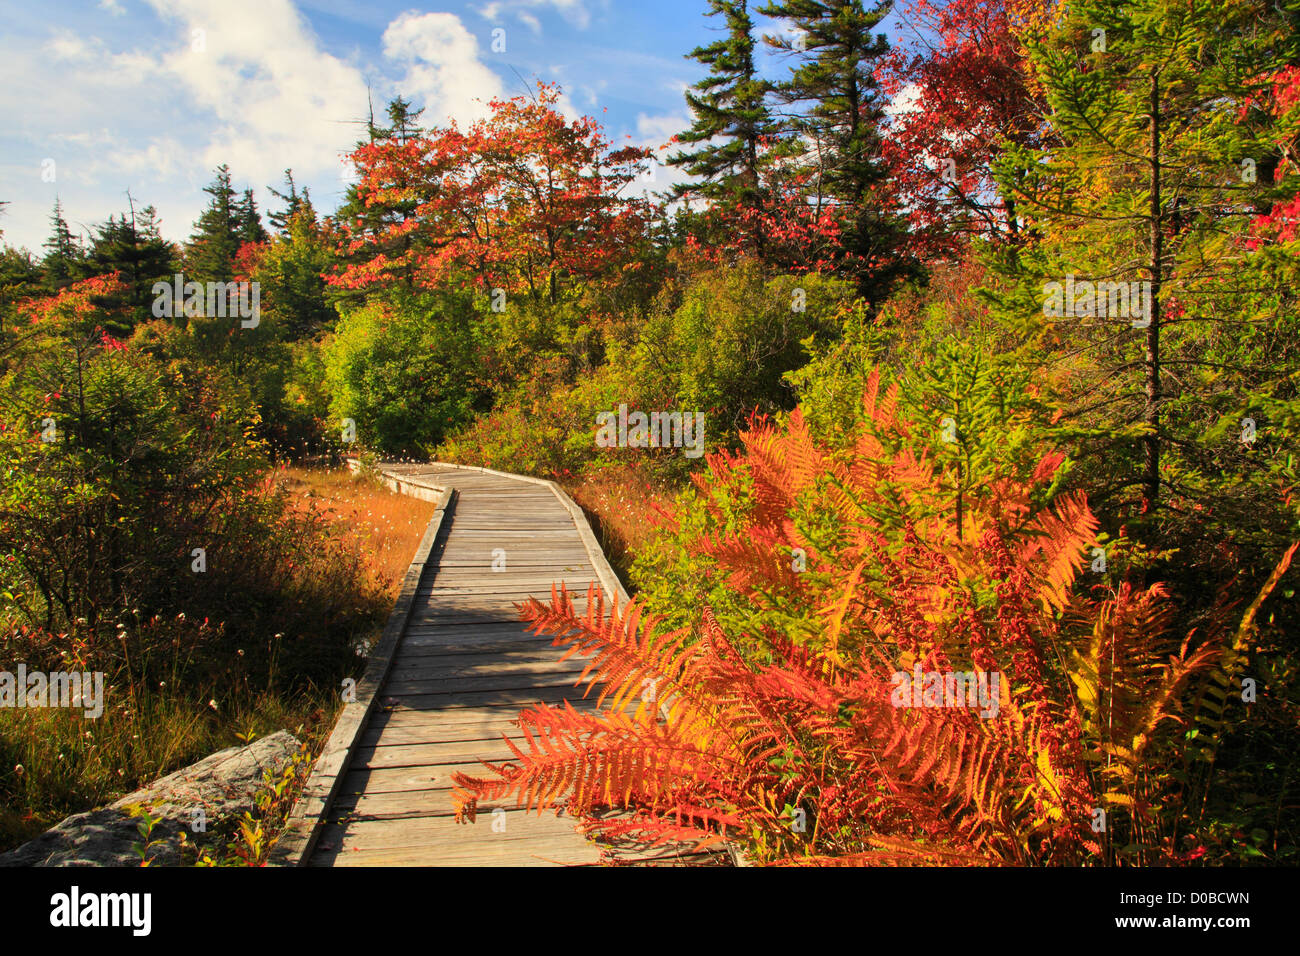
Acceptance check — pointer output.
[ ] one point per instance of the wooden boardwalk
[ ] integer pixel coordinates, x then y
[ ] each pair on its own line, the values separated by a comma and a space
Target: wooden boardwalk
456, 669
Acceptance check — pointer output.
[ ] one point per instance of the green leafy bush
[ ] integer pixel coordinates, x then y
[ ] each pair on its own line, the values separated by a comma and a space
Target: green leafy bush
405, 371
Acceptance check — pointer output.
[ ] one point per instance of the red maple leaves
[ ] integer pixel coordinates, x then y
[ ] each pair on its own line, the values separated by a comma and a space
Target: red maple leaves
81, 301
960, 91
526, 200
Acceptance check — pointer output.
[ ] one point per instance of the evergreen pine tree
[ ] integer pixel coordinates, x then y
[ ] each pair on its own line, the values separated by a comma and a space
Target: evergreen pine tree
731, 118
405, 122
63, 252
210, 253
834, 86
1151, 189
374, 218
293, 200
291, 273
20, 278
131, 246
250, 223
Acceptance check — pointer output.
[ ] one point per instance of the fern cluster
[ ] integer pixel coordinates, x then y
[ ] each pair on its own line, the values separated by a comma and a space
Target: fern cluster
799, 754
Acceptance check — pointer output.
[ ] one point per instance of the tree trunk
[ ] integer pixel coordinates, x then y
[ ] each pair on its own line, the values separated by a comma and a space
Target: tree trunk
1151, 412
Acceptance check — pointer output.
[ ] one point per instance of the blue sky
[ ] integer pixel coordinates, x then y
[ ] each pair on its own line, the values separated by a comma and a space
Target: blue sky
101, 96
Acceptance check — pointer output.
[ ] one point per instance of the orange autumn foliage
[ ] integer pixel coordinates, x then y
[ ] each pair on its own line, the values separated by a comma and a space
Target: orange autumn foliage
805, 755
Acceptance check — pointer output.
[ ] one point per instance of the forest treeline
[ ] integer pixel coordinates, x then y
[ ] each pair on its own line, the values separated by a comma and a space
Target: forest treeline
994, 335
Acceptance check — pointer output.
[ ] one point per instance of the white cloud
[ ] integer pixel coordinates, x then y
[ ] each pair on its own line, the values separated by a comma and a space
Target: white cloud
442, 64
256, 69
113, 7
575, 11
653, 132
663, 127
73, 47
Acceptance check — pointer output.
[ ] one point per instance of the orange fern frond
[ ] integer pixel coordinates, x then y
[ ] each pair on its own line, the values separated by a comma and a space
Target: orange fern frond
623, 656
1054, 544
585, 760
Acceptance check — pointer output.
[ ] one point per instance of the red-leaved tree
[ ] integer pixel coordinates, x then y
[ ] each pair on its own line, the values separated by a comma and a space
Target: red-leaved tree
525, 200
961, 91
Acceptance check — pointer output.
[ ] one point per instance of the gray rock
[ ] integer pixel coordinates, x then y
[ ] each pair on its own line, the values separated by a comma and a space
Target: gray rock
222, 785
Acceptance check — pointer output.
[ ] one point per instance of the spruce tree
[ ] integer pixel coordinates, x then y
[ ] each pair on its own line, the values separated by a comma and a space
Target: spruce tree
210, 253
834, 75
63, 252
250, 223
404, 122
373, 218
20, 278
838, 117
291, 273
731, 119
1151, 190
131, 246
293, 200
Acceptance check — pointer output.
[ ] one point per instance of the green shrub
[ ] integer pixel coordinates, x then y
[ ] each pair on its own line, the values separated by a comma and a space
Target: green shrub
141, 536
405, 371
723, 351
726, 349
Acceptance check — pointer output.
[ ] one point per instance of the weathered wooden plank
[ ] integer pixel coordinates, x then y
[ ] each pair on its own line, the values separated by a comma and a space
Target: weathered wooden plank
484, 644
576, 580
458, 666
463, 669
503, 614
302, 827
517, 833
537, 558
482, 562
424, 726
510, 699
431, 754
505, 854
508, 599
510, 681
447, 633
535, 534
447, 731
441, 731
394, 779
503, 589
403, 805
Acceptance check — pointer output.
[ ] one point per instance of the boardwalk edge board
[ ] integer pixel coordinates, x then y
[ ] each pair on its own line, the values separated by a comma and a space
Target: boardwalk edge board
307, 819
327, 783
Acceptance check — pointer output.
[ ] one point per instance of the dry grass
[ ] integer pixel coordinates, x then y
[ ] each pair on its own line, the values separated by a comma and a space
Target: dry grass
55, 762
384, 526
619, 501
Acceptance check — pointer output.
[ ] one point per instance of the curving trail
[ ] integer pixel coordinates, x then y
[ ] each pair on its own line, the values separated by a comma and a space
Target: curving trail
452, 671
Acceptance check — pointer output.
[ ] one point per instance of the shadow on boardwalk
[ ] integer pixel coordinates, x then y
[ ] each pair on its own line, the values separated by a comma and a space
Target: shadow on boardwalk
463, 668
